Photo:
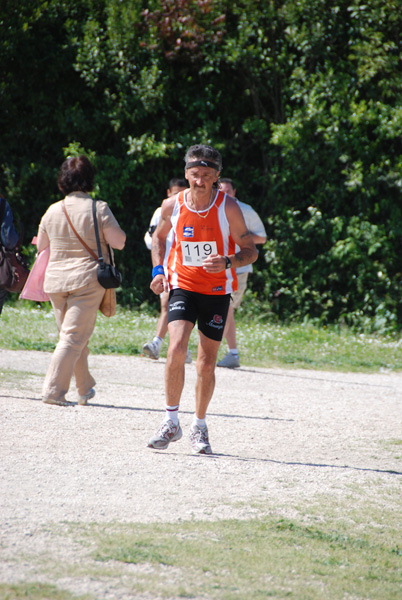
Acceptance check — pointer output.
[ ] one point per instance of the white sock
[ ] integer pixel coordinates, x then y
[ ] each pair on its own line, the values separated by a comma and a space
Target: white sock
172, 413
158, 341
234, 351
201, 423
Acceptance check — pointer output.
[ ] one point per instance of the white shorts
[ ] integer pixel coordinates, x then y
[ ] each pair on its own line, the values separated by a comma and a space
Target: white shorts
238, 294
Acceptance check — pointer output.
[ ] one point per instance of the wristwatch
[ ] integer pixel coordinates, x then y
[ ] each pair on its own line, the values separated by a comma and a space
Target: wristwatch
228, 262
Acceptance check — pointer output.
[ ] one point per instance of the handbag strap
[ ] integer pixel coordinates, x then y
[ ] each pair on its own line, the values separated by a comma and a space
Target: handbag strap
101, 261
91, 252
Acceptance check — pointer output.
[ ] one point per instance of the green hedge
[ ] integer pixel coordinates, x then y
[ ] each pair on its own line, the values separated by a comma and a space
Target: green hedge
302, 97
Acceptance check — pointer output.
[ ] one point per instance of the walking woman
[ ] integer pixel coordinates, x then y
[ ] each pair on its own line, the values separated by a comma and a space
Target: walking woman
71, 277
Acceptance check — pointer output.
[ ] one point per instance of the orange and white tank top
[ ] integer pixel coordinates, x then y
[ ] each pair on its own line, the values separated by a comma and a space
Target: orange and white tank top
196, 236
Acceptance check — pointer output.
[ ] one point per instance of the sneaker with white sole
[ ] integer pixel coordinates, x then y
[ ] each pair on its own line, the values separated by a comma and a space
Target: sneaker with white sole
188, 360
199, 440
152, 350
230, 361
82, 400
168, 432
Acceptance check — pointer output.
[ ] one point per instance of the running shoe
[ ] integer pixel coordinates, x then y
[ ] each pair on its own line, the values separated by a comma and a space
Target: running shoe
82, 400
168, 432
199, 440
230, 361
152, 350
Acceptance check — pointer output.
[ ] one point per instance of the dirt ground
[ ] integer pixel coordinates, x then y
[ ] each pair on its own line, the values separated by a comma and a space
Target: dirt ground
281, 439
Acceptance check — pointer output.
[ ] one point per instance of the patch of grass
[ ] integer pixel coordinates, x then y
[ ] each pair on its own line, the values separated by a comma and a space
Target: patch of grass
13, 375
32, 327
327, 348
394, 445
25, 328
36, 591
259, 558
336, 548
13, 379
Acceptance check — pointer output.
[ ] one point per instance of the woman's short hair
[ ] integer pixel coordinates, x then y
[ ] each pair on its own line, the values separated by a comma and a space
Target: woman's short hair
76, 175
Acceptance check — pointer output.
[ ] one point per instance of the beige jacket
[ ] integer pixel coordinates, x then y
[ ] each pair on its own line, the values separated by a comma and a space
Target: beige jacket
71, 267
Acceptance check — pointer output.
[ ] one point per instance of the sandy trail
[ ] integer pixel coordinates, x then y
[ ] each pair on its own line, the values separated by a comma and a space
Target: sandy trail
281, 439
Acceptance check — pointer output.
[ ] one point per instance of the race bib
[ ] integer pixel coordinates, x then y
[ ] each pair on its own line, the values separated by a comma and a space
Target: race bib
195, 252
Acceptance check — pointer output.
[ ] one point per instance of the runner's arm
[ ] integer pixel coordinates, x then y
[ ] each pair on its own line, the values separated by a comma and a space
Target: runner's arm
159, 283
242, 236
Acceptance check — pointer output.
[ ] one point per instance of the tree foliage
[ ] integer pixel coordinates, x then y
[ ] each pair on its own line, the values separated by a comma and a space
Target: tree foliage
302, 97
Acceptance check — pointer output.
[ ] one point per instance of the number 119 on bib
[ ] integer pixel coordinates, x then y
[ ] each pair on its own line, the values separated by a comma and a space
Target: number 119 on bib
195, 252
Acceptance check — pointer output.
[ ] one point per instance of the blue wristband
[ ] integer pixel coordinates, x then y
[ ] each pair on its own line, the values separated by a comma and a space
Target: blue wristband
159, 270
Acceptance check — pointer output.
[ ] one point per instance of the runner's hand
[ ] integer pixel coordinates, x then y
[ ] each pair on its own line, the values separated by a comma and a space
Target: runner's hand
215, 263
159, 284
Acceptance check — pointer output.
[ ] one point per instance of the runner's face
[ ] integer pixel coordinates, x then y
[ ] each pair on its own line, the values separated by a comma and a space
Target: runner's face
174, 190
201, 178
227, 188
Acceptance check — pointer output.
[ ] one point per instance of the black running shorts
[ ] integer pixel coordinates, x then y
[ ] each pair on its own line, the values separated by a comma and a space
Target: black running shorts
209, 311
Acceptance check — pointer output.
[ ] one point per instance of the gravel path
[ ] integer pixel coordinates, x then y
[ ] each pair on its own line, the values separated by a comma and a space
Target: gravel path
281, 439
